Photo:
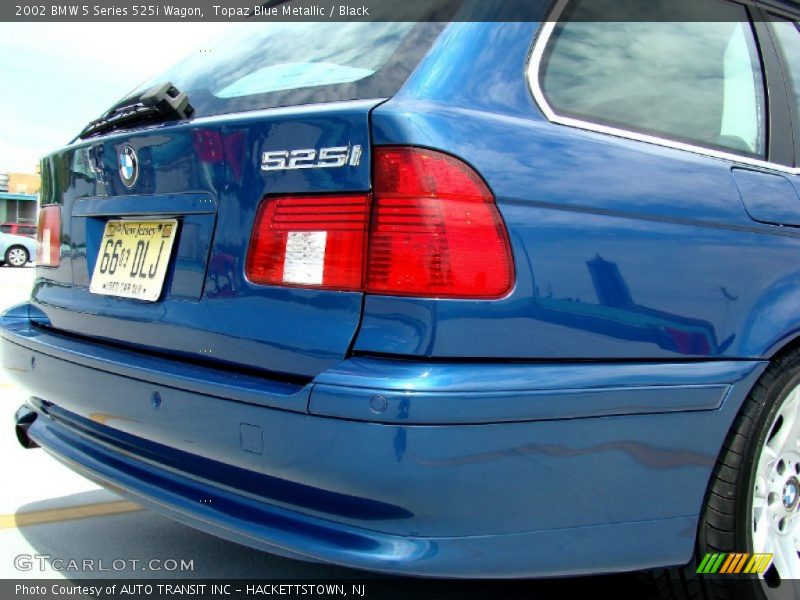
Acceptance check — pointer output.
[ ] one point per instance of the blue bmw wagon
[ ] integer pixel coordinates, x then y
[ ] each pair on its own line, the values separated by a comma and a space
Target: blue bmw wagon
487, 298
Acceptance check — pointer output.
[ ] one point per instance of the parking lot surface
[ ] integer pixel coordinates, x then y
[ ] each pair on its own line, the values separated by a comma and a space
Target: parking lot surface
49, 515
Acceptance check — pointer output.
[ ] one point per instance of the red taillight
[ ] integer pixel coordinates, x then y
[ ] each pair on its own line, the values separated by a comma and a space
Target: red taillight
310, 241
433, 227
49, 236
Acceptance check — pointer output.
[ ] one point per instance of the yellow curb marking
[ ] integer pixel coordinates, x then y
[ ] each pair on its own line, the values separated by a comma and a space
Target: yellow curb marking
69, 513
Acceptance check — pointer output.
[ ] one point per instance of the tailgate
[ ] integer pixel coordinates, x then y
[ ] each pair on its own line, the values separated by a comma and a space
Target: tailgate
209, 178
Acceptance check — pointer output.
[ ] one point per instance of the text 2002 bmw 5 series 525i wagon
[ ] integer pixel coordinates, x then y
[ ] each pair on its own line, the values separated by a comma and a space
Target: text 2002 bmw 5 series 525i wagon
485, 299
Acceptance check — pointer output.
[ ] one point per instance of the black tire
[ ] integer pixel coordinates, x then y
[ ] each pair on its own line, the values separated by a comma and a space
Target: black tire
13, 252
727, 521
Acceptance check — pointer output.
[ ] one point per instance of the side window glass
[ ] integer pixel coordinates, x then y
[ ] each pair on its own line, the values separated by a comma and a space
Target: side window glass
698, 82
788, 35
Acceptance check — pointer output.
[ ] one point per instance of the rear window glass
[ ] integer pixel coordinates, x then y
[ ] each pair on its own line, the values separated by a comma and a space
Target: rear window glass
256, 65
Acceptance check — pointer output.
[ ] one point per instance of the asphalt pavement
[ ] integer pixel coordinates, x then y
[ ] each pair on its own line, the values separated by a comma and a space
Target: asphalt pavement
52, 521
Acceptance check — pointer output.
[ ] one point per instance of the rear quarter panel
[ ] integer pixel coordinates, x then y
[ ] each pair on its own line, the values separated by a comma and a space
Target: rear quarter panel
623, 249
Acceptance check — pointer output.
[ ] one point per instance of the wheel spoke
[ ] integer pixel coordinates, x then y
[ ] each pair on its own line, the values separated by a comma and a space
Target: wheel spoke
761, 537
792, 443
764, 470
785, 438
760, 514
766, 460
761, 486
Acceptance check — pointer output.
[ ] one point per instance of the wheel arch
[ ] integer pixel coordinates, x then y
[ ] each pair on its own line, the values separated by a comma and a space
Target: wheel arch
773, 324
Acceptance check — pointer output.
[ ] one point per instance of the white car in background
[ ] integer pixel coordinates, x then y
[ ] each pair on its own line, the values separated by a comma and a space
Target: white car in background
16, 250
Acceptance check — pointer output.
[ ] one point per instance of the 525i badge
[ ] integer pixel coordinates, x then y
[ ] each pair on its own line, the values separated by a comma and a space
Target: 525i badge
311, 158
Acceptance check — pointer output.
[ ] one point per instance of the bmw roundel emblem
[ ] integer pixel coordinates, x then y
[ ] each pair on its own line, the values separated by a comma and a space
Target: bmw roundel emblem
128, 166
791, 491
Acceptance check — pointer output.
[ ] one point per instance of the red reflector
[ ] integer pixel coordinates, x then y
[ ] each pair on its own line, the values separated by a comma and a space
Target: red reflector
310, 241
435, 229
49, 236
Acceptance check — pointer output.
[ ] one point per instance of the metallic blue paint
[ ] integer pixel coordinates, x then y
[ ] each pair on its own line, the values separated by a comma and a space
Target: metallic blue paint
418, 392
393, 497
208, 175
268, 527
411, 435
623, 249
767, 197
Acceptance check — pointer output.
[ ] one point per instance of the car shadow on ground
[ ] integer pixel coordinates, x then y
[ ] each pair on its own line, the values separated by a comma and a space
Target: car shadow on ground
138, 536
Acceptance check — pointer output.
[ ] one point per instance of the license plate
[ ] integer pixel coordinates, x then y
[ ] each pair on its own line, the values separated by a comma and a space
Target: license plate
133, 259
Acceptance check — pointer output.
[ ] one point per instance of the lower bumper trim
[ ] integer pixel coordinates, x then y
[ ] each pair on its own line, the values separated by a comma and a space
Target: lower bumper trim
559, 552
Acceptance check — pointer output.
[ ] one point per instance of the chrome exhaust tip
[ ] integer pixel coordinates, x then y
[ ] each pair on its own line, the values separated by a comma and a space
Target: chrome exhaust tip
23, 419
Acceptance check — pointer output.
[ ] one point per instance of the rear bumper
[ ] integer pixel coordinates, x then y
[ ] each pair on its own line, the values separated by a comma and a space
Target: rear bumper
555, 486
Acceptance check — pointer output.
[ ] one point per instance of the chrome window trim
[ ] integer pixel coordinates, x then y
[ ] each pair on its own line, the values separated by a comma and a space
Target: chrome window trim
534, 70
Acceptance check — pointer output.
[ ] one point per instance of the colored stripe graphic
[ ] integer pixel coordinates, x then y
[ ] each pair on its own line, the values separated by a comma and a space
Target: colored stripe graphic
737, 568
734, 564
702, 567
730, 561
766, 561
715, 567
751, 566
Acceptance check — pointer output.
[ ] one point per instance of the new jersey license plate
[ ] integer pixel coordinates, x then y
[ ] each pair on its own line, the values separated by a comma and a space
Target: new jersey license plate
133, 259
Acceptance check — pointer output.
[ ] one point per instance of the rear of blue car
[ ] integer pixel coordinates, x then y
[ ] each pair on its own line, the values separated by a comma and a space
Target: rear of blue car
362, 303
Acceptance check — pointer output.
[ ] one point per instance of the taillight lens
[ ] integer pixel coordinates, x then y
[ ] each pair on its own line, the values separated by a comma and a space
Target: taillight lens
430, 229
435, 229
49, 236
310, 241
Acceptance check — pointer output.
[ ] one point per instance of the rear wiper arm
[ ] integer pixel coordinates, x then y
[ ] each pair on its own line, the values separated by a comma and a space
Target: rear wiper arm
163, 102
